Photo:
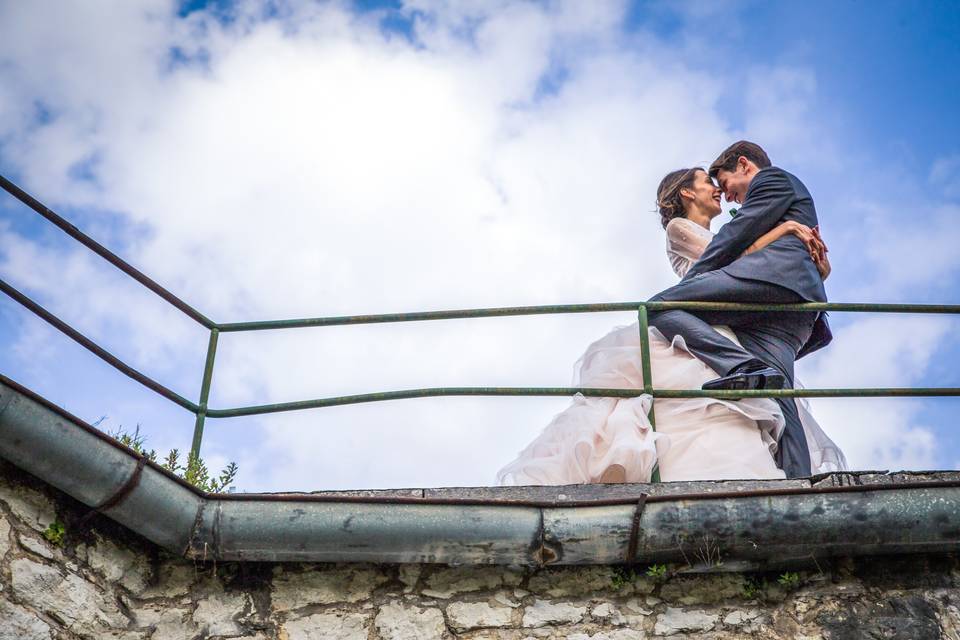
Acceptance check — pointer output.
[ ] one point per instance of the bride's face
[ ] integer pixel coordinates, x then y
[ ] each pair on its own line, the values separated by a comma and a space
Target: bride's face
706, 195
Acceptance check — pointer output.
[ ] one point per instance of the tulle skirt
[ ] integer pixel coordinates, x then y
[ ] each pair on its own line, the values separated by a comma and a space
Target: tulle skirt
611, 439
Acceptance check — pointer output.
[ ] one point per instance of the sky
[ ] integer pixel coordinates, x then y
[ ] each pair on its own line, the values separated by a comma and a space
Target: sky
282, 159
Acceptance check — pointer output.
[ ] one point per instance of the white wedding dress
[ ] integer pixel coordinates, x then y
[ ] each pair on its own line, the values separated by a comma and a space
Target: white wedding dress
695, 438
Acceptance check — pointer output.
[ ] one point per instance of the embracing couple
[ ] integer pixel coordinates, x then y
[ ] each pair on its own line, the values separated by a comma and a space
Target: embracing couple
770, 252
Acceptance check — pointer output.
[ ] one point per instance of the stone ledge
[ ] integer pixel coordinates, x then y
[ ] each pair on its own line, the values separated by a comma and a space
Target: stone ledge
585, 492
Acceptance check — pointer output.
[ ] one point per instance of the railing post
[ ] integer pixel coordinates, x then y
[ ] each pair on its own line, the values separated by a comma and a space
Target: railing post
647, 376
204, 393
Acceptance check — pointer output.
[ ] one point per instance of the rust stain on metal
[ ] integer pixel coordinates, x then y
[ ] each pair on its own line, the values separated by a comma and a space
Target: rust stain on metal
635, 529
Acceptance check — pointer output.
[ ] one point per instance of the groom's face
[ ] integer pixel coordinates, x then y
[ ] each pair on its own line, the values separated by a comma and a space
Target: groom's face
734, 183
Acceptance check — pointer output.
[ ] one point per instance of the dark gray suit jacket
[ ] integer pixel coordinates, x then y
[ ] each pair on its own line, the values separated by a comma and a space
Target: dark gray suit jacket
774, 196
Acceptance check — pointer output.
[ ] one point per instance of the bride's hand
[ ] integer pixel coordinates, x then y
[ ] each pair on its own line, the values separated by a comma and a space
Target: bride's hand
820, 260
816, 232
810, 238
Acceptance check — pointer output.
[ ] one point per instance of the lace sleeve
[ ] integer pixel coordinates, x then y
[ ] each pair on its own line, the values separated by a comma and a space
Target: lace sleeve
686, 241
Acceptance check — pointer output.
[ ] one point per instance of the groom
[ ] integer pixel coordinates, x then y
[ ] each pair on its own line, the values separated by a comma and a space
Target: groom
781, 272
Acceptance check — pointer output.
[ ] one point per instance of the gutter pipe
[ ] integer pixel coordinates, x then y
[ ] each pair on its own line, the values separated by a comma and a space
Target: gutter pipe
717, 530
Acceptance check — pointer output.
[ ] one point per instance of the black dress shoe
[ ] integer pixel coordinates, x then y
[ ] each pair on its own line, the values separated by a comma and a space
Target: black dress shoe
765, 378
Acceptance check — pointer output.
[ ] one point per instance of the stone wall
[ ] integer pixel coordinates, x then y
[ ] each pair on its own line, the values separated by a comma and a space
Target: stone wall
101, 581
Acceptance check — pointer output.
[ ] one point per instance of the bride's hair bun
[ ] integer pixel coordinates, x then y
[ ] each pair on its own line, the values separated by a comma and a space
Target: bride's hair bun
669, 201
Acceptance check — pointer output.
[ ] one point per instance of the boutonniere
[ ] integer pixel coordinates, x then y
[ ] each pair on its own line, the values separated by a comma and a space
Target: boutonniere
733, 212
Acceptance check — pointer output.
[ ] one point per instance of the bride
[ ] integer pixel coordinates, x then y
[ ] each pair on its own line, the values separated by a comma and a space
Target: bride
611, 439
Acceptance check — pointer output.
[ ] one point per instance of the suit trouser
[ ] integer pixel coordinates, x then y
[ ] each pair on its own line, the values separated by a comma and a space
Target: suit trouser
773, 337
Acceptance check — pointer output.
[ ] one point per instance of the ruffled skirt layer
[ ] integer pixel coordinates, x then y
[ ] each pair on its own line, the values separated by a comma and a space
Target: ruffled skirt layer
611, 439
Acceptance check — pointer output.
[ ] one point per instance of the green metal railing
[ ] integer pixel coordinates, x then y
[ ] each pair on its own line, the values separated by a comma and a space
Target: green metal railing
202, 411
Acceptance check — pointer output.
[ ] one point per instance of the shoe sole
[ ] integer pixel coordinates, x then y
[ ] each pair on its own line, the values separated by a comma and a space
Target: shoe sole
743, 384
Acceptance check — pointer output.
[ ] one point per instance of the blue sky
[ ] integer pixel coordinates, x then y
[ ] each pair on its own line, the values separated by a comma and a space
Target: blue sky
292, 159
888, 67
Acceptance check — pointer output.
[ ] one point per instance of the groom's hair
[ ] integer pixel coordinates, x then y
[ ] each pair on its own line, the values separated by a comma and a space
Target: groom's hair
728, 159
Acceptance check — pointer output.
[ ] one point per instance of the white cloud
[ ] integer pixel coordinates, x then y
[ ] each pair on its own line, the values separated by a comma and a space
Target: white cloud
309, 165
945, 175
878, 352
892, 243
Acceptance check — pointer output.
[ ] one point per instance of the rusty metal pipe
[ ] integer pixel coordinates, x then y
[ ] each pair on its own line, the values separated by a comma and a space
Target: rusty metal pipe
719, 529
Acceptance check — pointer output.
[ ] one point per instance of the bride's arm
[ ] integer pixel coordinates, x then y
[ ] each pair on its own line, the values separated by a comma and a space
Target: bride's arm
685, 243
687, 238
810, 237
776, 233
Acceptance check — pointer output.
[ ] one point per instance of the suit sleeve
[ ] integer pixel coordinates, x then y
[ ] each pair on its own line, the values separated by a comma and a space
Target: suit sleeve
771, 194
